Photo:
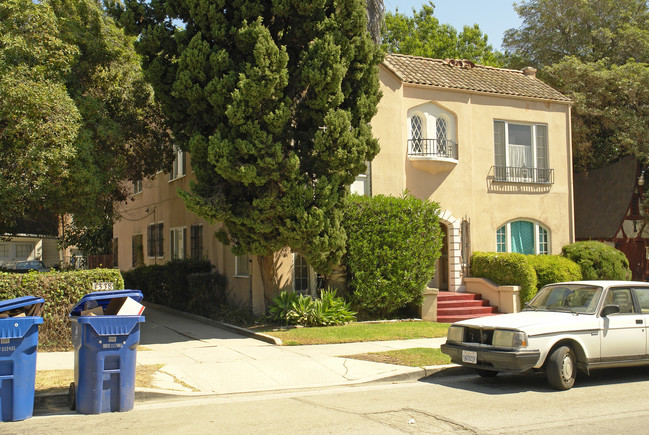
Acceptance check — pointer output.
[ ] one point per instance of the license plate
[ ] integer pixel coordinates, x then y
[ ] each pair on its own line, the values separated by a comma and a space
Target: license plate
470, 357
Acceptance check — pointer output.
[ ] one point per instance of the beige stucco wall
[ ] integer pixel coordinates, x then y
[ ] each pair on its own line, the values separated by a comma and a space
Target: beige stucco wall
159, 203
466, 189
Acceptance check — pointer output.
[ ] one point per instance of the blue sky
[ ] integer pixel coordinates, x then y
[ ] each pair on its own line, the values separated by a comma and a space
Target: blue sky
493, 16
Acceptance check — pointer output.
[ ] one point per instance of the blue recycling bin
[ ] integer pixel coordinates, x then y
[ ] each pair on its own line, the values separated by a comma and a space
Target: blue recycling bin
18, 343
105, 348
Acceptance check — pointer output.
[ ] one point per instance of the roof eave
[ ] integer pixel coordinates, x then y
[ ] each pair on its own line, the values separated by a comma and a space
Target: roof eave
568, 102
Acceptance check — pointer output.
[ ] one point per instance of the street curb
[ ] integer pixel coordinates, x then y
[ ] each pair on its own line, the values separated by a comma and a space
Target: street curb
222, 325
426, 372
58, 402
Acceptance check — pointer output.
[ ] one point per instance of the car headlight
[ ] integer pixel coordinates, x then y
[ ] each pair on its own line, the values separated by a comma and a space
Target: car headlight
505, 338
455, 333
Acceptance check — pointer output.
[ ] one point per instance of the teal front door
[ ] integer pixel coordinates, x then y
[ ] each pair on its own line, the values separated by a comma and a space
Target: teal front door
522, 237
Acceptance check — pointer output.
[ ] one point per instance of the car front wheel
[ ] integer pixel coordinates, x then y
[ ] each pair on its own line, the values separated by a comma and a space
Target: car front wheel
561, 369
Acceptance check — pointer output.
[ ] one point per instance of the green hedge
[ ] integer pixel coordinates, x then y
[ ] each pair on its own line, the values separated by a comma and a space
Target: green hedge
392, 247
185, 285
554, 268
61, 291
505, 268
598, 260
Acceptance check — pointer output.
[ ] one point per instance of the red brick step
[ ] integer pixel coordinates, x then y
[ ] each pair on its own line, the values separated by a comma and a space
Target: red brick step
454, 306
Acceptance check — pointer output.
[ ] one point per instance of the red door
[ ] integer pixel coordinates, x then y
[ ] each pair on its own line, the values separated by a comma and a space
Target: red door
636, 253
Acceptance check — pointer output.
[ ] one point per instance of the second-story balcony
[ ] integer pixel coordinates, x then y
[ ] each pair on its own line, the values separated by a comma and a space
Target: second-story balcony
509, 174
433, 155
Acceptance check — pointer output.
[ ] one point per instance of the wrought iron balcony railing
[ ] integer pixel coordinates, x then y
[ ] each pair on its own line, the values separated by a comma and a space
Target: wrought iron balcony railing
510, 174
445, 148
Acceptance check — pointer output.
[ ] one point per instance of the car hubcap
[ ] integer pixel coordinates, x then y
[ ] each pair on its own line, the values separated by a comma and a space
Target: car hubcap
566, 368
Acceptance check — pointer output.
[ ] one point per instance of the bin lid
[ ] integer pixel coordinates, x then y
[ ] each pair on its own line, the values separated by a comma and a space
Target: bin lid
103, 298
12, 304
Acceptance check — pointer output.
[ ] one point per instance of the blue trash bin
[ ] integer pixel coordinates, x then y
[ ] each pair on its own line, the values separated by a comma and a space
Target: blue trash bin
104, 355
18, 344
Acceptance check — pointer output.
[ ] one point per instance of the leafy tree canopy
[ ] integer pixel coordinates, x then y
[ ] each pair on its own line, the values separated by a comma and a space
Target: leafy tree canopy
77, 117
596, 52
273, 99
423, 35
38, 120
590, 30
610, 116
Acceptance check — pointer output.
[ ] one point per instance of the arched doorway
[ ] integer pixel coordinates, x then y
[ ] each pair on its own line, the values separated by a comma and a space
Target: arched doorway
440, 280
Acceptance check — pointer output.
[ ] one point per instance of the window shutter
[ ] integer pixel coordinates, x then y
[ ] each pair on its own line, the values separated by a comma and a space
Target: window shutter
160, 252
184, 244
541, 146
499, 144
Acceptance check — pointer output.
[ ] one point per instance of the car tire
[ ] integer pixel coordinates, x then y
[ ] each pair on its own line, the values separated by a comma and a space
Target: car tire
486, 373
561, 369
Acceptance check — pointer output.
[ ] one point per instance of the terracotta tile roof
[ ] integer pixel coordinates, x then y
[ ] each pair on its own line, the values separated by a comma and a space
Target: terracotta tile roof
465, 75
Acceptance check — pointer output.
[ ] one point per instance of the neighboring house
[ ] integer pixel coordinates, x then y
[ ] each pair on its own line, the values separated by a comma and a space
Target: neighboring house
492, 146
35, 239
608, 209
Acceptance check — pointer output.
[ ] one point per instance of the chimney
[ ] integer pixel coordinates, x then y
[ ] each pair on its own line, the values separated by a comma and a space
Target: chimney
529, 71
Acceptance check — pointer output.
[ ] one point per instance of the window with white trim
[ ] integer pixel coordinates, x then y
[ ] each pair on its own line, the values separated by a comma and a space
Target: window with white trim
361, 185
177, 242
523, 237
521, 152
431, 133
24, 251
417, 134
137, 187
301, 275
178, 167
155, 240
242, 266
5, 251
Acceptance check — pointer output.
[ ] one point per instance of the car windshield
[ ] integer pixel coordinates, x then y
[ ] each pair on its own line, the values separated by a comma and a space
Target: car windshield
574, 298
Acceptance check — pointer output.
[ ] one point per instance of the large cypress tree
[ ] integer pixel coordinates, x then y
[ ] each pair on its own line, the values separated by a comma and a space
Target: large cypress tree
273, 99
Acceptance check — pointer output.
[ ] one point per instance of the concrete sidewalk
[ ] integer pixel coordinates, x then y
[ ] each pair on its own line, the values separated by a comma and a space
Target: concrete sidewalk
200, 357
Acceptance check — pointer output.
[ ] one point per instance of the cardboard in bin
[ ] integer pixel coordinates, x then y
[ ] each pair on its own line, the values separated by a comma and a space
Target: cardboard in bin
26, 306
115, 303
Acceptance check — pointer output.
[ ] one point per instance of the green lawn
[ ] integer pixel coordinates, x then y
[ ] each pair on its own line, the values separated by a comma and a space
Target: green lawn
415, 357
356, 332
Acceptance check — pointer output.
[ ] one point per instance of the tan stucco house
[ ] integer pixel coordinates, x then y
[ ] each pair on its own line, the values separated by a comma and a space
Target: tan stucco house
491, 146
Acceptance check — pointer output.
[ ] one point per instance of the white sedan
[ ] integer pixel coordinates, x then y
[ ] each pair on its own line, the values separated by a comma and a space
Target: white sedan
567, 326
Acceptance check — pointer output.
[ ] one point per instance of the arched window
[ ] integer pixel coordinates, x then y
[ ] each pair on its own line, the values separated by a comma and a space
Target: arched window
417, 134
524, 237
441, 126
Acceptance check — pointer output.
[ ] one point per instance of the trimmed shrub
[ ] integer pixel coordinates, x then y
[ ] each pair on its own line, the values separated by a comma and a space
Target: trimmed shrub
554, 268
505, 268
598, 260
61, 291
392, 247
166, 284
207, 291
296, 309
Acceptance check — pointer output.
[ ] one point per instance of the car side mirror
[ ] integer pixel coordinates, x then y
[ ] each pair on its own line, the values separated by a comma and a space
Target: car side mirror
610, 309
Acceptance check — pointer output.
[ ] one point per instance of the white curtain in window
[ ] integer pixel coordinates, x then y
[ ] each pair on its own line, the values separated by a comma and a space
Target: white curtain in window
520, 156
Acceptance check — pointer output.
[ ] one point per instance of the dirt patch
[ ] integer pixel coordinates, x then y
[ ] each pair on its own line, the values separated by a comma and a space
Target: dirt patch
58, 381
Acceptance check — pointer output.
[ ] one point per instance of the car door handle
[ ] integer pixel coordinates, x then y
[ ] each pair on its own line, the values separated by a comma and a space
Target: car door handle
638, 321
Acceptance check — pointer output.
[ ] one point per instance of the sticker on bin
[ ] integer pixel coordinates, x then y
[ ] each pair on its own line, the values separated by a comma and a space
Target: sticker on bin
112, 343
